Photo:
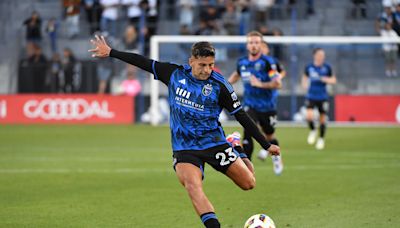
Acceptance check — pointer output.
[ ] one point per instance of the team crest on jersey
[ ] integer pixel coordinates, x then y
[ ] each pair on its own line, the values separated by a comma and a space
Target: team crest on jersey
257, 66
234, 96
242, 68
207, 89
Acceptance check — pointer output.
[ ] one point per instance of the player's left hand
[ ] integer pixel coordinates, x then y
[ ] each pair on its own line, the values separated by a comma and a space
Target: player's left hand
274, 149
101, 49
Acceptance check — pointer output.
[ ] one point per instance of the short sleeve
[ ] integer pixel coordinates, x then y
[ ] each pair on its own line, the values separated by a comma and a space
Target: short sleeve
329, 71
306, 71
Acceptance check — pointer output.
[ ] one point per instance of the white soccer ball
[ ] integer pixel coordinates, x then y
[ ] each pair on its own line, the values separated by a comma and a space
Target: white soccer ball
259, 221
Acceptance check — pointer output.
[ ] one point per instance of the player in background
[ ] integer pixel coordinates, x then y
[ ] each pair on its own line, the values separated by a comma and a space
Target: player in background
261, 80
196, 95
265, 50
316, 76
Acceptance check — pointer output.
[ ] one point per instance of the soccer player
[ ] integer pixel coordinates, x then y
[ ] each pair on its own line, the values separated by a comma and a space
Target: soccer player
197, 95
279, 67
316, 76
261, 80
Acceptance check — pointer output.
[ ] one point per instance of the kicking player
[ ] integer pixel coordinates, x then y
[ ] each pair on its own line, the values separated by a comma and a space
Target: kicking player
261, 80
316, 76
197, 95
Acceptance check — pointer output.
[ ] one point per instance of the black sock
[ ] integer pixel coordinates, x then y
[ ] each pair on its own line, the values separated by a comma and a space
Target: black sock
274, 141
210, 220
322, 129
311, 125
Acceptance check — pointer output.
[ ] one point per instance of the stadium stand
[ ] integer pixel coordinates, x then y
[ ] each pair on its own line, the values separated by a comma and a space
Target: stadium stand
328, 18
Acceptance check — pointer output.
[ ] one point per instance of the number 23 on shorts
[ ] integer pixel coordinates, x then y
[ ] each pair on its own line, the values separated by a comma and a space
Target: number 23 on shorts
226, 157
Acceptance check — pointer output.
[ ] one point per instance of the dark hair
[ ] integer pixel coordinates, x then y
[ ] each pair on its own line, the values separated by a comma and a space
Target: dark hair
203, 49
316, 50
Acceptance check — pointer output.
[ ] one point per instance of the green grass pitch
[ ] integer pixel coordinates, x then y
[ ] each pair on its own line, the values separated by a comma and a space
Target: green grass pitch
121, 176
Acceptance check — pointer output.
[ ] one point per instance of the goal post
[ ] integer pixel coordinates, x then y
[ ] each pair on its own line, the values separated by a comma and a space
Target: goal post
157, 40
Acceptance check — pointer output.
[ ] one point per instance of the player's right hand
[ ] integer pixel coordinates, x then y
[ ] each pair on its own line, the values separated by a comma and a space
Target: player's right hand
274, 150
101, 47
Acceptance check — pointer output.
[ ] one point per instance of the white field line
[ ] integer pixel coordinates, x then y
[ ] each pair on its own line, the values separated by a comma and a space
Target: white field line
163, 170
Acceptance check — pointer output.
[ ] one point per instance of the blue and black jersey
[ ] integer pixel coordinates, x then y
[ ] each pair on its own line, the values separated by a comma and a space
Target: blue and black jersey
195, 104
317, 89
266, 69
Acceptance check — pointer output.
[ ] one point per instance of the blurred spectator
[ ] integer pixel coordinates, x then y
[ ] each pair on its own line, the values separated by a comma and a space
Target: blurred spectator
71, 12
131, 86
244, 6
109, 16
130, 39
262, 10
203, 29
33, 30
310, 7
68, 64
93, 14
104, 71
264, 30
396, 24
209, 14
171, 12
51, 30
359, 5
384, 18
134, 11
152, 17
37, 64
184, 30
186, 14
230, 19
55, 73
390, 51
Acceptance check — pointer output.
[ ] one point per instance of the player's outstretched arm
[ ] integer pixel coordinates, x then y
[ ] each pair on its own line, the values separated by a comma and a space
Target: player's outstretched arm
162, 71
250, 126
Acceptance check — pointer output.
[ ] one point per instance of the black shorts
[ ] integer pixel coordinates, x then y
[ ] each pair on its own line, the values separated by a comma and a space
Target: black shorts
322, 106
219, 157
267, 120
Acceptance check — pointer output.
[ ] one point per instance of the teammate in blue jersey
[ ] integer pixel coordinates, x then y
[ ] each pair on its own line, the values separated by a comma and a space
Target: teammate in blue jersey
316, 76
261, 80
197, 95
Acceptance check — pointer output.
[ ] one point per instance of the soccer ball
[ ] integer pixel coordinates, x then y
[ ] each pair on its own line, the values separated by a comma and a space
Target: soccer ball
259, 221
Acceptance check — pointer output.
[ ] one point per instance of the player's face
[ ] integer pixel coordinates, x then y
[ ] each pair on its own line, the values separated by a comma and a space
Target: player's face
319, 57
254, 45
202, 66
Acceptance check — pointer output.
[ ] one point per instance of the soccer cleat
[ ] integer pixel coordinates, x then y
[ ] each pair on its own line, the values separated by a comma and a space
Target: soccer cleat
278, 164
234, 139
262, 155
312, 136
320, 144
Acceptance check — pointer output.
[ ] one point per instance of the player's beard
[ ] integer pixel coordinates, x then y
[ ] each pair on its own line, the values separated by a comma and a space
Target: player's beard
255, 52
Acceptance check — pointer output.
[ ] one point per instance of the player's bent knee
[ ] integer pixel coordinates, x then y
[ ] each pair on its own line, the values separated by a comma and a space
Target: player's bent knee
248, 184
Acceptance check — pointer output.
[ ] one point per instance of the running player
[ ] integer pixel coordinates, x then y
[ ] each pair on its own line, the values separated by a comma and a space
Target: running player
316, 76
197, 95
261, 80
